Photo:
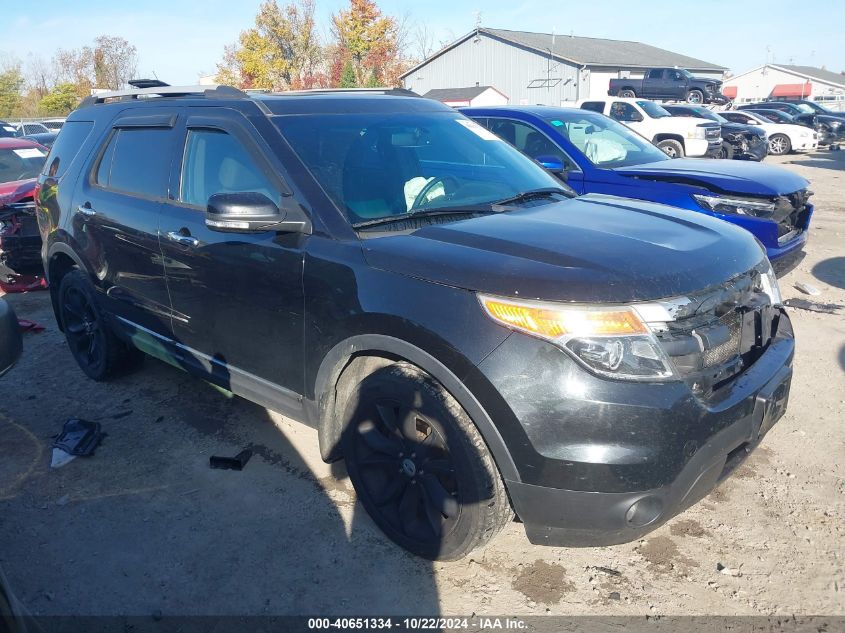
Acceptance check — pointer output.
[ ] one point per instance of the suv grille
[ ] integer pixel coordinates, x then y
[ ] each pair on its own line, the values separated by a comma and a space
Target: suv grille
720, 333
712, 132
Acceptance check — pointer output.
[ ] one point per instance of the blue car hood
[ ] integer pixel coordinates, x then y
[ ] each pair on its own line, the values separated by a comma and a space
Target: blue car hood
722, 176
594, 248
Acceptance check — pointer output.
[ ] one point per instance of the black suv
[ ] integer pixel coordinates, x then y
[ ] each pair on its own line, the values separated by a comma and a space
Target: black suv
468, 338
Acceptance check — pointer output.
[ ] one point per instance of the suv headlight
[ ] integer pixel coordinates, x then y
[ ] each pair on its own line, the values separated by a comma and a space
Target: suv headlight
769, 285
699, 132
756, 207
612, 341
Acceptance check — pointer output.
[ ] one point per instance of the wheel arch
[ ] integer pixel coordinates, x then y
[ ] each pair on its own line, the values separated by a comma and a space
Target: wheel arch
668, 136
61, 260
351, 360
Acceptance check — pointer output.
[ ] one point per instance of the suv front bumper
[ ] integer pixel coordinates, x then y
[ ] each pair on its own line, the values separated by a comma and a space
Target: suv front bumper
623, 459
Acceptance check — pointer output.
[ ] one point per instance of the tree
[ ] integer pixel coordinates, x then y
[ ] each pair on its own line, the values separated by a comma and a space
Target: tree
60, 101
115, 62
371, 41
347, 78
11, 82
75, 66
38, 75
282, 51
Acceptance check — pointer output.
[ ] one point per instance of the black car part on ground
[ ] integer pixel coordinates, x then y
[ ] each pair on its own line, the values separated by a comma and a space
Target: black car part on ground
11, 343
20, 241
409, 345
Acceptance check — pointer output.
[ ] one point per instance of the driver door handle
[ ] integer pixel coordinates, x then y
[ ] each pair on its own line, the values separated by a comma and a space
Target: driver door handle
86, 210
184, 240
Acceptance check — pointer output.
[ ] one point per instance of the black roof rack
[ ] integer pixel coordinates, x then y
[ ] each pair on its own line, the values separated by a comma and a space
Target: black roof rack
153, 88
164, 90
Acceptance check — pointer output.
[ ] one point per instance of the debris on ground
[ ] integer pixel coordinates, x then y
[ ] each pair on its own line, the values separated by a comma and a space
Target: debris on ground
230, 463
25, 325
727, 571
22, 283
606, 570
807, 289
812, 306
78, 438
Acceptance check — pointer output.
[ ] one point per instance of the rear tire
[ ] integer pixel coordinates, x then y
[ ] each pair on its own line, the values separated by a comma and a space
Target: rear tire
672, 148
420, 467
627, 94
96, 349
779, 144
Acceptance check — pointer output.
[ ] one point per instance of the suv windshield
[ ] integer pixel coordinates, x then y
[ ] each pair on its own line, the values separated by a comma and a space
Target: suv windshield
653, 110
603, 141
377, 165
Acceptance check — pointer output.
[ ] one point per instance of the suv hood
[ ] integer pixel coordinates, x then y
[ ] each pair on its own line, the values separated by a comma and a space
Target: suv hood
595, 248
721, 176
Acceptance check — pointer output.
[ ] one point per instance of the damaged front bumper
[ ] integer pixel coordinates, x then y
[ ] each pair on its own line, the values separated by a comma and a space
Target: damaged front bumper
20, 240
607, 461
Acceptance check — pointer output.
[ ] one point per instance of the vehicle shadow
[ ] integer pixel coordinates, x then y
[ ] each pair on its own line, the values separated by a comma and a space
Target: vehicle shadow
831, 271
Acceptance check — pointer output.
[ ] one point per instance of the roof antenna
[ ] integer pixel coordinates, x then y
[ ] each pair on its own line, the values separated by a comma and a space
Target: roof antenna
571, 33
477, 15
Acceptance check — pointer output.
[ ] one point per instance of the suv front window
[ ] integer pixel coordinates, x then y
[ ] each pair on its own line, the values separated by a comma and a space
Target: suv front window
377, 165
215, 162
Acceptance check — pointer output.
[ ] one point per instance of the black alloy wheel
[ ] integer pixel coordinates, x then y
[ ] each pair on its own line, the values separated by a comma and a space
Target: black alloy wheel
420, 467
96, 349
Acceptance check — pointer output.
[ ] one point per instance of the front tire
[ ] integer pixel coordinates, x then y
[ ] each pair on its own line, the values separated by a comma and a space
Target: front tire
96, 349
695, 96
672, 148
779, 144
420, 467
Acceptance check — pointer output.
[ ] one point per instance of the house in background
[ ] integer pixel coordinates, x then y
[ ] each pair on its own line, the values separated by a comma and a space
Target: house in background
543, 68
787, 80
474, 96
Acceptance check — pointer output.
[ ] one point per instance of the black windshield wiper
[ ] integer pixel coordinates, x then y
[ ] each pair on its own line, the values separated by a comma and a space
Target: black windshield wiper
425, 213
533, 194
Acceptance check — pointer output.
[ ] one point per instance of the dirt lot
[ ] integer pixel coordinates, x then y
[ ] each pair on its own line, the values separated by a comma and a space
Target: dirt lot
145, 527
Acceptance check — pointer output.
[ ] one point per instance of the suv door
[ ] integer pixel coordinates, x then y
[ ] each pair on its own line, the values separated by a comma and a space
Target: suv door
626, 113
237, 297
116, 209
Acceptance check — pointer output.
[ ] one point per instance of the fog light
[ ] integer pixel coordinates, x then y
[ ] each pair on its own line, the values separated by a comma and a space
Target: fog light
644, 511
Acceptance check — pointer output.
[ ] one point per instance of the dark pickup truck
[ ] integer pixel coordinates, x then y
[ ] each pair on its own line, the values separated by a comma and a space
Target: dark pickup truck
669, 83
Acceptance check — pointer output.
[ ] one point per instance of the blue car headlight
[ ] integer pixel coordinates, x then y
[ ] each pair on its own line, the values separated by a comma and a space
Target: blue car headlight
734, 205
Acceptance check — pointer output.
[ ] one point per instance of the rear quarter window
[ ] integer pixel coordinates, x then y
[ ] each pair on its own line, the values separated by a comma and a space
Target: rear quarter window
593, 106
66, 147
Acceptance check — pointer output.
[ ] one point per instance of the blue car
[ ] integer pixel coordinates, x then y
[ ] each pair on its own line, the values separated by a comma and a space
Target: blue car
596, 154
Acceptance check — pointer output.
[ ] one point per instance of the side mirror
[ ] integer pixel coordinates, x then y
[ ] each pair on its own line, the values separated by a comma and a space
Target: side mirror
11, 342
242, 212
636, 117
551, 163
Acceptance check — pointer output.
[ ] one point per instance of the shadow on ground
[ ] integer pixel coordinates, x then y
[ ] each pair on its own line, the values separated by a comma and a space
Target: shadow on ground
831, 271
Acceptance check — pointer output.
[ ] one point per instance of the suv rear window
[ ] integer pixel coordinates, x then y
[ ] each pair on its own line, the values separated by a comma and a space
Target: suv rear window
68, 143
136, 161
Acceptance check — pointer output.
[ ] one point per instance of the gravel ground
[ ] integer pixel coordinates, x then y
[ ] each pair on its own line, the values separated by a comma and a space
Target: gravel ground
145, 527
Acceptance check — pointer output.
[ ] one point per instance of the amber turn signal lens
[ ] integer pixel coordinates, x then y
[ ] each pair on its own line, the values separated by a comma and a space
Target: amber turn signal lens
556, 322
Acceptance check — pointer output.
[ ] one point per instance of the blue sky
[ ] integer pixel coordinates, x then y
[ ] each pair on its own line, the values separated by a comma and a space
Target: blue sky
180, 39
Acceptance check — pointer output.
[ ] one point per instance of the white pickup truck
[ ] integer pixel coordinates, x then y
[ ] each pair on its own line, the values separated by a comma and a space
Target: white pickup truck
677, 136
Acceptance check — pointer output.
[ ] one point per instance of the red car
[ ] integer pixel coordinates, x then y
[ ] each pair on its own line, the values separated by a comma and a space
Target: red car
20, 243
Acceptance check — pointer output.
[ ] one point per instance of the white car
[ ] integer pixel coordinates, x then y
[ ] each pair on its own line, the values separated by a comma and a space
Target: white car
676, 136
783, 137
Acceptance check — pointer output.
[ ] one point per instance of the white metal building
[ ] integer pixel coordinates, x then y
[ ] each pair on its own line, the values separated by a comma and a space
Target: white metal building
472, 96
542, 68
786, 80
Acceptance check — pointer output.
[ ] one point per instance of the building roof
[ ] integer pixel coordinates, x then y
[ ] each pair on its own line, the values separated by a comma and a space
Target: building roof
456, 94
589, 51
816, 73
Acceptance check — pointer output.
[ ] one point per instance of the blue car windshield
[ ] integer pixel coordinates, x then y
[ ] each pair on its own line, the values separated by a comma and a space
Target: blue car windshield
375, 165
603, 141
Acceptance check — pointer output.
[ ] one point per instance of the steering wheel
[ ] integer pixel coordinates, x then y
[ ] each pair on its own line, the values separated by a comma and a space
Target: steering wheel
420, 200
